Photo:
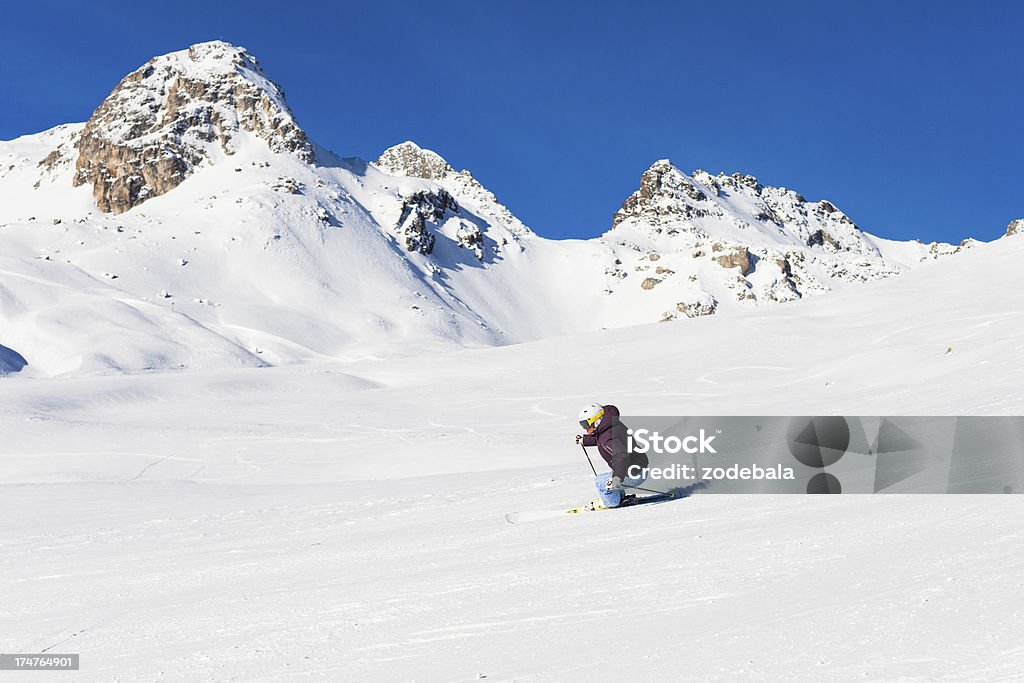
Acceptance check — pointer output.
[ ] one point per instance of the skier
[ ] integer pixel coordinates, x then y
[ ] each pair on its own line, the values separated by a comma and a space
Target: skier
605, 431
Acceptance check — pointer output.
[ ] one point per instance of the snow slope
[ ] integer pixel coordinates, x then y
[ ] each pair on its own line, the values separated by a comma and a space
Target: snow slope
342, 520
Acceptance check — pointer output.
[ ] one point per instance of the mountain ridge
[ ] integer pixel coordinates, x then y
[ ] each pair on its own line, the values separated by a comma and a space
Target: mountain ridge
262, 248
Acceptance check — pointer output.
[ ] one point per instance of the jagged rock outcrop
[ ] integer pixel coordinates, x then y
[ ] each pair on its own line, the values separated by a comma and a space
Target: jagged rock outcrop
745, 241
665, 195
168, 116
410, 160
703, 305
936, 250
418, 211
670, 202
821, 238
787, 283
469, 236
733, 257
1015, 227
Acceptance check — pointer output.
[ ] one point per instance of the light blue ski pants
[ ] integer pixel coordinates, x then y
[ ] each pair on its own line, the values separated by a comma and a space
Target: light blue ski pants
613, 498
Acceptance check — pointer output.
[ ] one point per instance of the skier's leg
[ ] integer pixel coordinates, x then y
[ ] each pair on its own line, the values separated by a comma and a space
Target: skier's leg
629, 494
608, 498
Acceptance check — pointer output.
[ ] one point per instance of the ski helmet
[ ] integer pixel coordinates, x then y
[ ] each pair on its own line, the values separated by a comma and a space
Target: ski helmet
590, 415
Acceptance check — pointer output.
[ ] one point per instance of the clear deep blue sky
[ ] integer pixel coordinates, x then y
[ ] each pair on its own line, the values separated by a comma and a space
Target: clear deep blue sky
906, 114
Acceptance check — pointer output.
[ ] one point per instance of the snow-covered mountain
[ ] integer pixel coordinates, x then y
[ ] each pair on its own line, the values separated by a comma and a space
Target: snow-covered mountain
192, 223
736, 240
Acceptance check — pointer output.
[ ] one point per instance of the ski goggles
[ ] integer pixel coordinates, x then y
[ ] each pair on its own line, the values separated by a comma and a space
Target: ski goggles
587, 424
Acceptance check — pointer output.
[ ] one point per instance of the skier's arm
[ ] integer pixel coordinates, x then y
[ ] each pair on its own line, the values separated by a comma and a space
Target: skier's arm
589, 440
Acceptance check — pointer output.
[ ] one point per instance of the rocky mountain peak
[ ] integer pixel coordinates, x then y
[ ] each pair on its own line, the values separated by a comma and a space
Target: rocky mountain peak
171, 114
409, 159
662, 178
1015, 227
665, 193
736, 207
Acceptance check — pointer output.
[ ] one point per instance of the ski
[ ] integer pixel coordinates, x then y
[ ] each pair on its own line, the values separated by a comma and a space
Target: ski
674, 494
589, 507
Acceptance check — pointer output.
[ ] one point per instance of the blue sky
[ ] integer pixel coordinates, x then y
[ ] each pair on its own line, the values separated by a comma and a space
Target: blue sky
907, 115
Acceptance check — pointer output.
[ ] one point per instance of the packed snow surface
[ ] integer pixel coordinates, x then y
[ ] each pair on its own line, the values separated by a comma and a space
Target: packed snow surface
344, 520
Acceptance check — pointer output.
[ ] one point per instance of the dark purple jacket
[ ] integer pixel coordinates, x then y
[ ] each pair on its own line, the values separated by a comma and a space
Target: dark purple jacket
611, 441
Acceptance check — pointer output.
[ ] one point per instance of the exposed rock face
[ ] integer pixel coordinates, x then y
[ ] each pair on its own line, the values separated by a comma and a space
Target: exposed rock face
665, 194
671, 202
420, 209
170, 115
762, 243
820, 238
411, 160
937, 250
425, 213
1015, 227
788, 282
735, 257
700, 305
468, 236
650, 283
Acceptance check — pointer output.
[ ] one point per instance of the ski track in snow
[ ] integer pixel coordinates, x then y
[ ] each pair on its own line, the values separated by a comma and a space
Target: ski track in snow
390, 583
410, 572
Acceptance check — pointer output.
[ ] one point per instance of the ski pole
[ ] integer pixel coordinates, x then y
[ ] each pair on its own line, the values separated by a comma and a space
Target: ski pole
589, 460
641, 488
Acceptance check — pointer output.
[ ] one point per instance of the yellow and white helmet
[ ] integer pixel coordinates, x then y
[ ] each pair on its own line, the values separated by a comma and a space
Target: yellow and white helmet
590, 415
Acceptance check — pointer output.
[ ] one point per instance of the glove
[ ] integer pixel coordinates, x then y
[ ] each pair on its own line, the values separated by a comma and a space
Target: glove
613, 484
579, 439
